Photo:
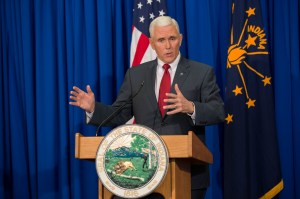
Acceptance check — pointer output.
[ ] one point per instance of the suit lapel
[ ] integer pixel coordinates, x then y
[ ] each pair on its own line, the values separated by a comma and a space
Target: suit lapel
150, 79
182, 71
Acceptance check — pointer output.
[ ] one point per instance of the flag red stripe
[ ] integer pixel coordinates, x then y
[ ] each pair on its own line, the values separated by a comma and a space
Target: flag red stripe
142, 46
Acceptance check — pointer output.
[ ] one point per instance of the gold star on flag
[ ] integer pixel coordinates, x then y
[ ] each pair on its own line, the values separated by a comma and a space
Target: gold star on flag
229, 118
250, 41
250, 103
267, 80
237, 90
250, 11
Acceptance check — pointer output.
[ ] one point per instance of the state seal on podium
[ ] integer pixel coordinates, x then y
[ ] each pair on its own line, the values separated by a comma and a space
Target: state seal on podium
132, 161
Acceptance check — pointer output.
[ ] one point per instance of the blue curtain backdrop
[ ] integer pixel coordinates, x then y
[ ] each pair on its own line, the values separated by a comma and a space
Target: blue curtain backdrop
48, 46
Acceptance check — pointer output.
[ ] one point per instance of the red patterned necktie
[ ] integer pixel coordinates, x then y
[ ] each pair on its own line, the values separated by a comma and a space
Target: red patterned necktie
165, 86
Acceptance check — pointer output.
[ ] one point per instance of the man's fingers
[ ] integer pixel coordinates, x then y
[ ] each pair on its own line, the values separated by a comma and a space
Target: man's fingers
88, 89
73, 93
171, 95
171, 106
177, 90
174, 111
73, 98
170, 100
78, 90
74, 103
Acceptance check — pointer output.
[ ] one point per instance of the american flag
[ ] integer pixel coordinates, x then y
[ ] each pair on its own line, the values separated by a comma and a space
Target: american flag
144, 11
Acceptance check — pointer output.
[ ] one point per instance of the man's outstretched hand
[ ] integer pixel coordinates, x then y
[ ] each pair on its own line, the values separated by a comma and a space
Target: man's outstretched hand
84, 100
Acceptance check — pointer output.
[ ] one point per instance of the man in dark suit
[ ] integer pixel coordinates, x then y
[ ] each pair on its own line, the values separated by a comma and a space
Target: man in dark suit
192, 102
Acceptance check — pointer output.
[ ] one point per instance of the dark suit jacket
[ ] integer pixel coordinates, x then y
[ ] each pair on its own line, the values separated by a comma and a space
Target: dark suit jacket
196, 81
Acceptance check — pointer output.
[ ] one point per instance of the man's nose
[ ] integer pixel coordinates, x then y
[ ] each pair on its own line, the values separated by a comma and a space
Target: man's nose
168, 44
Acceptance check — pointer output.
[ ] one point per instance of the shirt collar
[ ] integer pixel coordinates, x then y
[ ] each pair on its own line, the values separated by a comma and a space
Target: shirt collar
173, 65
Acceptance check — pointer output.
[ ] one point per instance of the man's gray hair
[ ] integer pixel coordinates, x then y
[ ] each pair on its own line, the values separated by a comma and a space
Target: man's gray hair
162, 21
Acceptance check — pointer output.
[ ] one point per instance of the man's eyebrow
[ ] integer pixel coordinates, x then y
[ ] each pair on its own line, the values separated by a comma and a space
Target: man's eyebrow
160, 38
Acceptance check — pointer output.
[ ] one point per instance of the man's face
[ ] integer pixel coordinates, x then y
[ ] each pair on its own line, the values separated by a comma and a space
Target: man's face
166, 42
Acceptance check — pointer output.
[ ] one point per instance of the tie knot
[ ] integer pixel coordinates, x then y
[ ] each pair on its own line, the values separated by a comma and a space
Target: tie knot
166, 66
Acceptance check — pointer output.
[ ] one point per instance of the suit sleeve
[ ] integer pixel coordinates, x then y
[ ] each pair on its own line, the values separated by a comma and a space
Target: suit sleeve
103, 111
210, 108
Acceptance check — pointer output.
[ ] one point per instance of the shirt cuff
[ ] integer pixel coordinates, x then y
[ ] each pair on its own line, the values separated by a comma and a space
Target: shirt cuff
89, 116
193, 115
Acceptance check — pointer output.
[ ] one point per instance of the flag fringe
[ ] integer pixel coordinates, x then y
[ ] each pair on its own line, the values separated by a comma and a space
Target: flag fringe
274, 191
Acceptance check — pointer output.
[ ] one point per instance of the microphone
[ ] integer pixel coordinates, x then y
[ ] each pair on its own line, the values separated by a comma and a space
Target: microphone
113, 114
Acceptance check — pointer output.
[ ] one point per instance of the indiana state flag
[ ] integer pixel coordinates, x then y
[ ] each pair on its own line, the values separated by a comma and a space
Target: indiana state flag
251, 159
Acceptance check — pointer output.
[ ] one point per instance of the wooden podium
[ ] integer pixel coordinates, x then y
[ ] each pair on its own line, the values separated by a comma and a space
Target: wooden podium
183, 150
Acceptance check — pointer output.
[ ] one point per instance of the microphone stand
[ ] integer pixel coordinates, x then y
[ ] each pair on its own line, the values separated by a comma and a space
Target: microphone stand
113, 114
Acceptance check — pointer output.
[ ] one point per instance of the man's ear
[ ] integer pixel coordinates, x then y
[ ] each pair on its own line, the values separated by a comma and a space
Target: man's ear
151, 42
180, 39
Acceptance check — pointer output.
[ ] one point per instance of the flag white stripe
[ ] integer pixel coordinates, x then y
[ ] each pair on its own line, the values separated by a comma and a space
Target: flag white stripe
134, 42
